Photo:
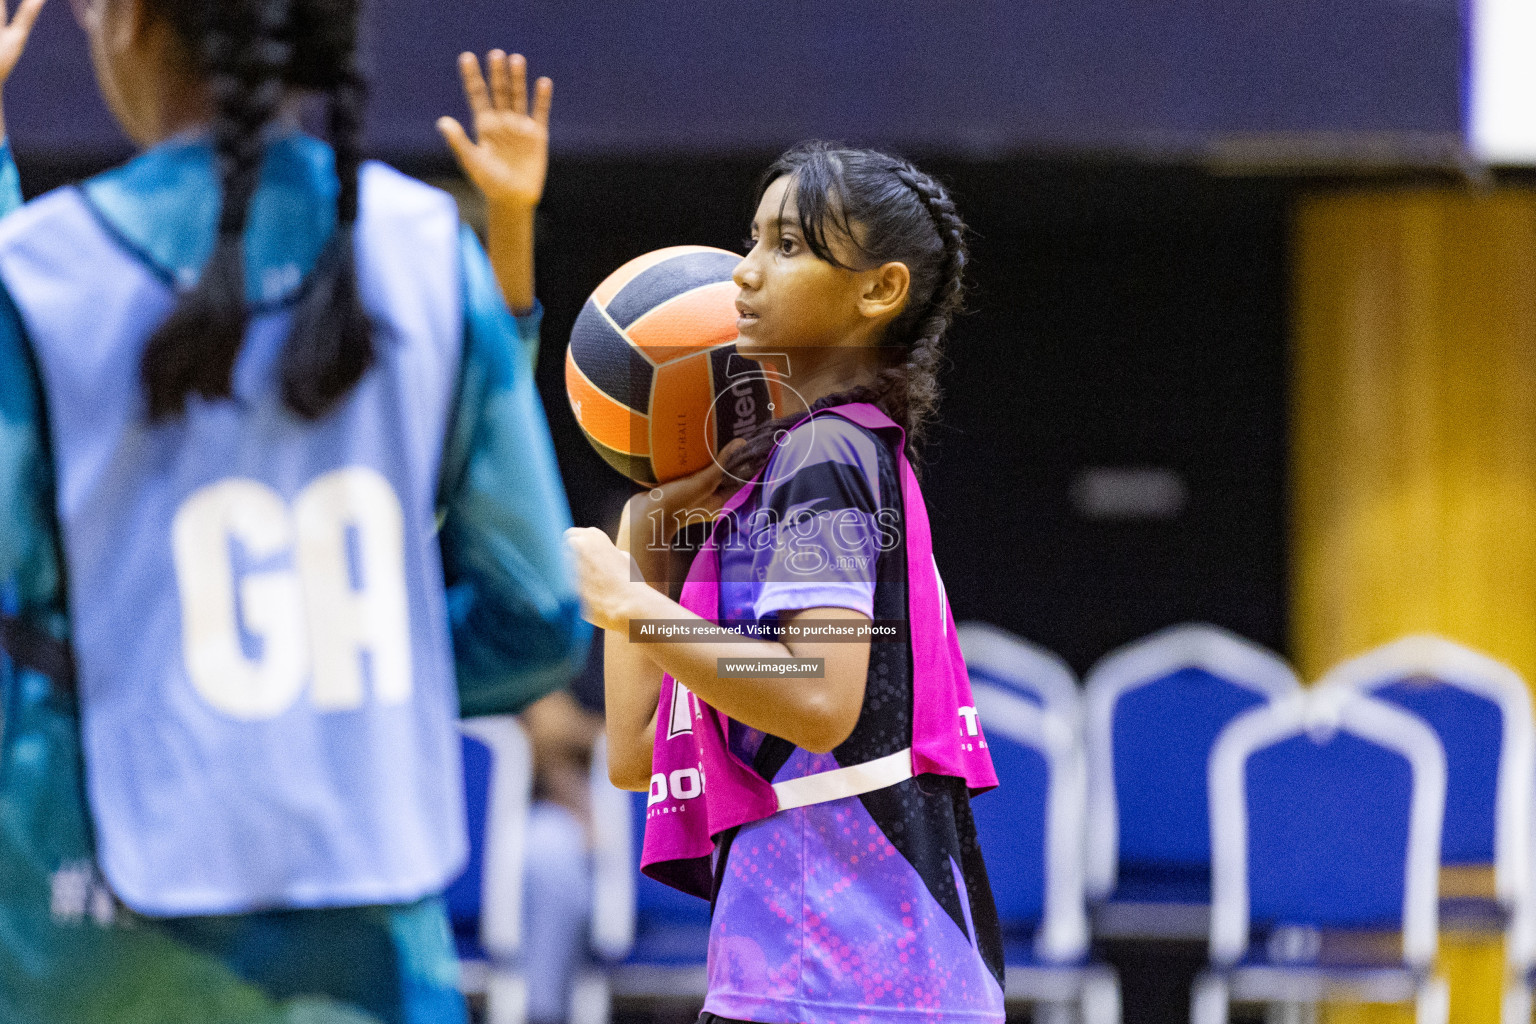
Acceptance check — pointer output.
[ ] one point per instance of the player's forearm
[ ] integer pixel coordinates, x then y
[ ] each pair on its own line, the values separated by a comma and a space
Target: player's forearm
509, 241
631, 681
816, 714
631, 690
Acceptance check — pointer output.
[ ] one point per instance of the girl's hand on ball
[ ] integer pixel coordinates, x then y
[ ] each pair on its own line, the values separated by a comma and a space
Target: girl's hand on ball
677, 503
608, 579
509, 155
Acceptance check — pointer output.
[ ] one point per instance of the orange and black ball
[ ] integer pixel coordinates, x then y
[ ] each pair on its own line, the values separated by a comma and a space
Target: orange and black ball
651, 370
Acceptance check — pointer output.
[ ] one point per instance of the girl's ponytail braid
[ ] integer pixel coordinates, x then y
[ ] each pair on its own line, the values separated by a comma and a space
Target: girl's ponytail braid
330, 346
245, 53
919, 385
908, 391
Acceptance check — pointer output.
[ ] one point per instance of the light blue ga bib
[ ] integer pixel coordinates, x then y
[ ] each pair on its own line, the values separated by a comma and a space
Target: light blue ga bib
257, 602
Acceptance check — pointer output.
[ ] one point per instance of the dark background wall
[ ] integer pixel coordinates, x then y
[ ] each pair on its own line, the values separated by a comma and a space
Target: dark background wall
981, 78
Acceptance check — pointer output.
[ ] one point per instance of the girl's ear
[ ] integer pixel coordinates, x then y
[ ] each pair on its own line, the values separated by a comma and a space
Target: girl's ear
884, 290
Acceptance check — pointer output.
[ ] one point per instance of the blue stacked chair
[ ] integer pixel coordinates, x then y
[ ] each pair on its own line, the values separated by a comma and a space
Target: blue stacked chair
485, 902
1481, 710
1326, 813
671, 940
1153, 711
994, 655
1031, 832
650, 940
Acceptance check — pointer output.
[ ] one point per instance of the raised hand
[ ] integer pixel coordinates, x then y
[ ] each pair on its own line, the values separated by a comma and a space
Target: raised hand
15, 32
509, 155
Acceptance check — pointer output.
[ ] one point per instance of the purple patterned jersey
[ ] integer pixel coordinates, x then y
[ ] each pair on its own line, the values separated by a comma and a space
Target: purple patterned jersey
868, 909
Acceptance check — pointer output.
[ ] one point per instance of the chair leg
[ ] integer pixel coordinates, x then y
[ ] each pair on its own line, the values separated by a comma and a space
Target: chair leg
1291, 1013
506, 998
591, 1002
1052, 1013
1210, 1003
1433, 1003
1101, 999
1517, 1002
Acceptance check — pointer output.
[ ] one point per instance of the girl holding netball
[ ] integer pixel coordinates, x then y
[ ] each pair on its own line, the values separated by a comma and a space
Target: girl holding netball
277, 501
826, 814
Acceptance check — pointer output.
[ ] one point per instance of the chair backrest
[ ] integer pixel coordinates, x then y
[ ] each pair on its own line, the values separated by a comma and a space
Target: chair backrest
498, 782
1326, 811
1481, 710
1031, 828
659, 907
614, 857
994, 655
1153, 710
625, 903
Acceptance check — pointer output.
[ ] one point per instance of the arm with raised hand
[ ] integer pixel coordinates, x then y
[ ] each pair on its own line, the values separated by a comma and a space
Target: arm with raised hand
15, 30
513, 606
508, 160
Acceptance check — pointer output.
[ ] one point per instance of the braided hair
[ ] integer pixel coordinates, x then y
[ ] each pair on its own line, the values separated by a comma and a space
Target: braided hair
252, 53
902, 215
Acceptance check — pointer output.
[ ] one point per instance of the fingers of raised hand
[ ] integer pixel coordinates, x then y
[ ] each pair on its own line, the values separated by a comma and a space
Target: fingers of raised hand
598, 561
458, 140
501, 80
475, 90
543, 95
25, 18
517, 76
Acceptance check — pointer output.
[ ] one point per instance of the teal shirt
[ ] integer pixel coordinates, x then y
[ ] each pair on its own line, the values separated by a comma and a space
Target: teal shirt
517, 631
10, 179
66, 952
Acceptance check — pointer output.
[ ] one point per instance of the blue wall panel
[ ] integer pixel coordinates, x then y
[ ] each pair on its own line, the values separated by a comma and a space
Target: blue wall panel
986, 77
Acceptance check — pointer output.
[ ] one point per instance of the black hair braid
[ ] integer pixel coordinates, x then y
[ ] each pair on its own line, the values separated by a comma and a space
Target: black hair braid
907, 216
918, 390
245, 55
330, 347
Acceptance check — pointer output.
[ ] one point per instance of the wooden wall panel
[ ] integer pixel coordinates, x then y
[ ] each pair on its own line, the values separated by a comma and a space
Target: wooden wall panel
1414, 446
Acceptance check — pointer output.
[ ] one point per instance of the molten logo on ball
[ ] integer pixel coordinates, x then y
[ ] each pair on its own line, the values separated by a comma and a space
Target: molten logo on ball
650, 358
